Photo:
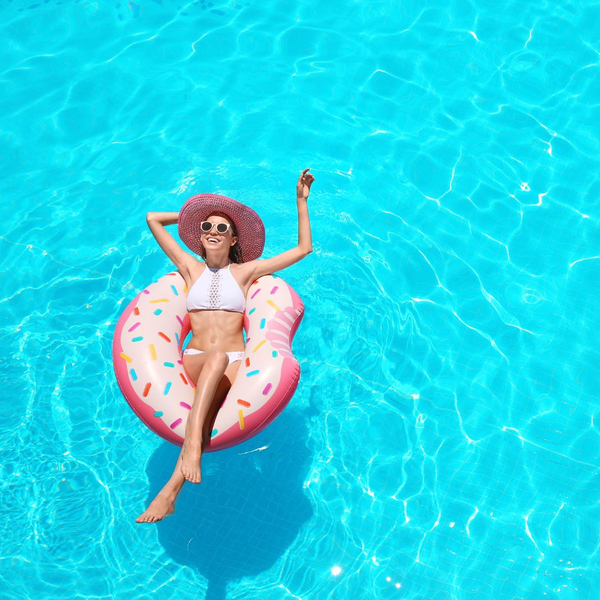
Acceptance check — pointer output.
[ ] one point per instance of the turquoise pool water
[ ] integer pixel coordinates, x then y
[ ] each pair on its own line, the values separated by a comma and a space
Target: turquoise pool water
443, 442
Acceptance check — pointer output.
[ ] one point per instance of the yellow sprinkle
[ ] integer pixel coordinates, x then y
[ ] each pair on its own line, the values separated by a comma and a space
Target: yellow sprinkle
185, 288
259, 345
241, 419
273, 305
123, 355
152, 351
161, 300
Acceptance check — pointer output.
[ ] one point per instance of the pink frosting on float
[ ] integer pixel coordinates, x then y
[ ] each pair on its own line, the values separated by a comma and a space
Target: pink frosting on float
259, 419
141, 409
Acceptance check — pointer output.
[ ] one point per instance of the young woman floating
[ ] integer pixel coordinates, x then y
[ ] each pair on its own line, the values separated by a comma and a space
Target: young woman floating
229, 237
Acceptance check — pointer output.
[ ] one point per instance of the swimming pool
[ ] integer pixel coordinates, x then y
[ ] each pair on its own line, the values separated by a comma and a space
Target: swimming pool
443, 441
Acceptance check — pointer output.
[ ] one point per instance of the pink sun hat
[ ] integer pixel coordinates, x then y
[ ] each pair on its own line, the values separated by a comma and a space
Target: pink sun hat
250, 228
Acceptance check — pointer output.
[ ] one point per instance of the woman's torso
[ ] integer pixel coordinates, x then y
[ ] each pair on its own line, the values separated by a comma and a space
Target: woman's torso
217, 329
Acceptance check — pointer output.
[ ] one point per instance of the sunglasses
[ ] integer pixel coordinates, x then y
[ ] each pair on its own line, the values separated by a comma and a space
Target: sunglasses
206, 226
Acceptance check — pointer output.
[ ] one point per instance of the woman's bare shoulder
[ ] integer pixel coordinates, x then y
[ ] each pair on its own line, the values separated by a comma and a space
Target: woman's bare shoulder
193, 270
244, 272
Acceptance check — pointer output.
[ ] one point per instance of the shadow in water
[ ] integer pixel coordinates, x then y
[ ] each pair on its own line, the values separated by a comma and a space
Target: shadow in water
248, 509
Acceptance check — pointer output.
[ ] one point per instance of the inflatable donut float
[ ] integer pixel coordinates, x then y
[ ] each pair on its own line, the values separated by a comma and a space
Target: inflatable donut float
147, 350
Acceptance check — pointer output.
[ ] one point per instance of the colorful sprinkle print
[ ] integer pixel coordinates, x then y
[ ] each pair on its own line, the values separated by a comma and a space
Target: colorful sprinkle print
274, 289
185, 405
167, 388
252, 373
267, 389
251, 311
159, 300
158, 413
213, 432
241, 414
274, 353
168, 364
262, 323
175, 423
134, 326
133, 374
152, 351
273, 305
247, 362
124, 356
175, 290
136, 311
256, 292
259, 345
147, 389
158, 311
139, 338
162, 335
243, 403
183, 377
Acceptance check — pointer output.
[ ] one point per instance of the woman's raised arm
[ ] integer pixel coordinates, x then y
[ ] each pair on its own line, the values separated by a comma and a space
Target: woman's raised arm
157, 221
304, 247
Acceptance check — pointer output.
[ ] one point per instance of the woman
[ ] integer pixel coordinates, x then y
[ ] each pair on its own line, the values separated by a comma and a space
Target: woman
230, 238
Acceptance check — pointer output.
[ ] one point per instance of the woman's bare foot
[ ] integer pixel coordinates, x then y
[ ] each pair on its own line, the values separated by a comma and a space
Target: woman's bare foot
191, 454
162, 506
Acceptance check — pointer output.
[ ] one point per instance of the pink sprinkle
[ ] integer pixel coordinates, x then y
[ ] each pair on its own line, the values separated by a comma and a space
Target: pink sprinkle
146, 292
180, 362
180, 321
274, 289
266, 390
256, 292
175, 423
134, 326
185, 405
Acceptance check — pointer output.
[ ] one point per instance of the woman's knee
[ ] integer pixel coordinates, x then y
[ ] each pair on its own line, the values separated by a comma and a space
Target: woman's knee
216, 359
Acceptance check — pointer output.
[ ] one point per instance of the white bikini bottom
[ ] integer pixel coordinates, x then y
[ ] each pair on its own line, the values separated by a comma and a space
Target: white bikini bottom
233, 356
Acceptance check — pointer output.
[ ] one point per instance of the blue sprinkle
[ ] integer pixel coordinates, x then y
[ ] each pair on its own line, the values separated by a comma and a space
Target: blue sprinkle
133, 374
177, 338
158, 311
252, 373
175, 290
167, 388
137, 339
252, 311
158, 413
169, 364
274, 353
213, 433
262, 323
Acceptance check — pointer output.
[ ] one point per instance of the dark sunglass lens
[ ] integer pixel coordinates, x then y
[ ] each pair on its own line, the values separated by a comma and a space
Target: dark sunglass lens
206, 226
222, 227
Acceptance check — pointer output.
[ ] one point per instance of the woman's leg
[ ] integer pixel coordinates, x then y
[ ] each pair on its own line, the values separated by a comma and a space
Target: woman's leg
213, 370
164, 503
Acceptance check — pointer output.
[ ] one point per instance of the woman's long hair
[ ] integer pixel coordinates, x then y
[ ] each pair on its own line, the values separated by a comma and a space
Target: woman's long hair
235, 254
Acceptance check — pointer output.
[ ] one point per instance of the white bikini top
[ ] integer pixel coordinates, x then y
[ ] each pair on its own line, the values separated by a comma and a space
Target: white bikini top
216, 289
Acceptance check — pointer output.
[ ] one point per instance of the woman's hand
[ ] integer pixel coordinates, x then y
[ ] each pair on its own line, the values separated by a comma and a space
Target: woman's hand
304, 183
